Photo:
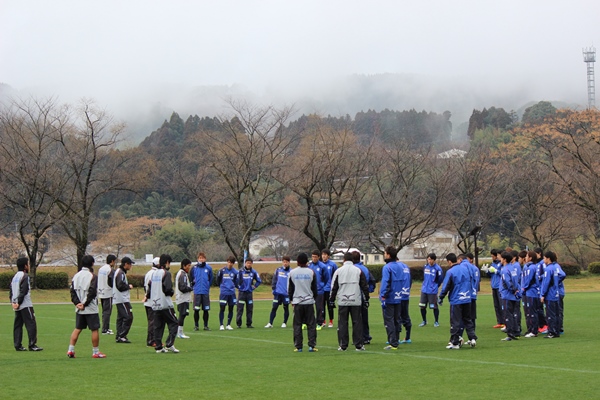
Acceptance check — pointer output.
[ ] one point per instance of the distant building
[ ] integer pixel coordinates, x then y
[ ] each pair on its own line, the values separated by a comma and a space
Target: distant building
440, 242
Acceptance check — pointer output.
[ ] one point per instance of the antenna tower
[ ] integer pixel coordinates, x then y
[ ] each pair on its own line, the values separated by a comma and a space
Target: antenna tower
589, 57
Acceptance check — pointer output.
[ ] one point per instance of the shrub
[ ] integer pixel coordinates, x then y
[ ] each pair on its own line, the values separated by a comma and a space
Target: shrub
375, 271
571, 269
5, 279
594, 268
136, 280
52, 280
266, 278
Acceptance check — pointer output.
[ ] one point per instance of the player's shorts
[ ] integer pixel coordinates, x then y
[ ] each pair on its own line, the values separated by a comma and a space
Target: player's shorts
432, 299
227, 299
281, 299
183, 308
201, 302
91, 321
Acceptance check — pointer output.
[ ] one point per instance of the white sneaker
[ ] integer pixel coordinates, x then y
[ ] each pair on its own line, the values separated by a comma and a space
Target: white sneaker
530, 334
182, 336
452, 347
172, 349
460, 341
221, 328
472, 342
229, 328
284, 325
163, 350
269, 325
503, 329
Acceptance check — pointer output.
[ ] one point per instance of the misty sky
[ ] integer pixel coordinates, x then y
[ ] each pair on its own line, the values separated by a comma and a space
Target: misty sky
122, 52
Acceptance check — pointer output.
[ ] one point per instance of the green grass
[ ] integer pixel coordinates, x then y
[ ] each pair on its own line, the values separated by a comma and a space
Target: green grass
260, 363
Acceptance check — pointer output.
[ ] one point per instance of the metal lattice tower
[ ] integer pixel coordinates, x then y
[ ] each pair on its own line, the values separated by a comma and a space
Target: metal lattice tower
589, 57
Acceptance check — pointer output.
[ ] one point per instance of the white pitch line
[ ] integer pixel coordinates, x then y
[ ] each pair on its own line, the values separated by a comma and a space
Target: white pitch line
399, 352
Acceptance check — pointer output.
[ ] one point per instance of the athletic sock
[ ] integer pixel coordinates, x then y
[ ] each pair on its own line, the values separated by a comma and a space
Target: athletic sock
436, 314
424, 314
71, 348
95, 350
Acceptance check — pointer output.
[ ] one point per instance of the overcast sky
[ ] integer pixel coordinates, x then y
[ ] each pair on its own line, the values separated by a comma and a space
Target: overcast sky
114, 51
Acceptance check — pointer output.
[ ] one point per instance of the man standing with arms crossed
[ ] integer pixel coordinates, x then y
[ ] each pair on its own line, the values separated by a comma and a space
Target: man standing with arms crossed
433, 276
122, 300
201, 278
20, 297
248, 281
105, 291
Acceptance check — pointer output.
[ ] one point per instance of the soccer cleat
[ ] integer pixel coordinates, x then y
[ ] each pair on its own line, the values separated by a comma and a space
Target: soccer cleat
172, 349
35, 348
330, 324
20, 348
551, 336
368, 341
222, 328
163, 350
98, 355
239, 327
472, 343
453, 347
249, 327
229, 328
543, 328
284, 325
71, 354
196, 329
298, 350
319, 327
507, 339
390, 347
406, 341
206, 328
183, 336
108, 332
312, 349
503, 329
361, 348
498, 326
460, 341
269, 325
341, 349
123, 340
436, 324
423, 324
530, 334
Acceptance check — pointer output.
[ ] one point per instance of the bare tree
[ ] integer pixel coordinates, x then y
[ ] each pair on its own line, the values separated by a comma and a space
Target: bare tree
94, 166
231, 173
404, 197
325, 176
30, 176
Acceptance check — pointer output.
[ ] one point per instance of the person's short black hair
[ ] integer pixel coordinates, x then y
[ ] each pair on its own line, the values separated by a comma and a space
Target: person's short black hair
494, 252
249, 259
302, 259
231, 259
164, 259
551, 255
326, 251
22, 263
391, 250
356, 257
451, 257
184, 262
539, 250
286, 258
432, 256
348, 256
470, 256
110, 258
506, 255
87, 261
316, 253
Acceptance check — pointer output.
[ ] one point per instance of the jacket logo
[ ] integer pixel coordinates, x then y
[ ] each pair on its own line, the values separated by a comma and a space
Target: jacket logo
348, 296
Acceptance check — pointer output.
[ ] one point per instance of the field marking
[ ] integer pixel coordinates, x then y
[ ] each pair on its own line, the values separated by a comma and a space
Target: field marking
388, 353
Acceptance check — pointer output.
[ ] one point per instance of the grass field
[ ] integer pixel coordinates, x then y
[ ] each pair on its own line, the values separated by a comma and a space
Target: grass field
260, 363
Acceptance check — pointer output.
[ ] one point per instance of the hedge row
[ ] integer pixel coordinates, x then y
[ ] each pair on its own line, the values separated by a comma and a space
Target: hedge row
594, 268
45, 280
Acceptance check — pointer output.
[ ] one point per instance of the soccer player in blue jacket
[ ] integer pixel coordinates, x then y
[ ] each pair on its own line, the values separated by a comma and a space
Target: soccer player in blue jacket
248, 281
543, 324
331, 268
393, 281
433, 276
494, 272
280, 292
365, 308
227, 279
510, 291
551, 294
201, 278
457, 286
320, 271
530, 289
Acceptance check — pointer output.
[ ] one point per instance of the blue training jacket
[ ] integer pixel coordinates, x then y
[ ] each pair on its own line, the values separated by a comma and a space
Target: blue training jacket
395, 282
553, 278
227, 281
457, 285
475, 278
529, 283
370, 281
433, 276
280, 281
495, 277
510, 287
248, 280
320, 271
201, 277
331, 267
